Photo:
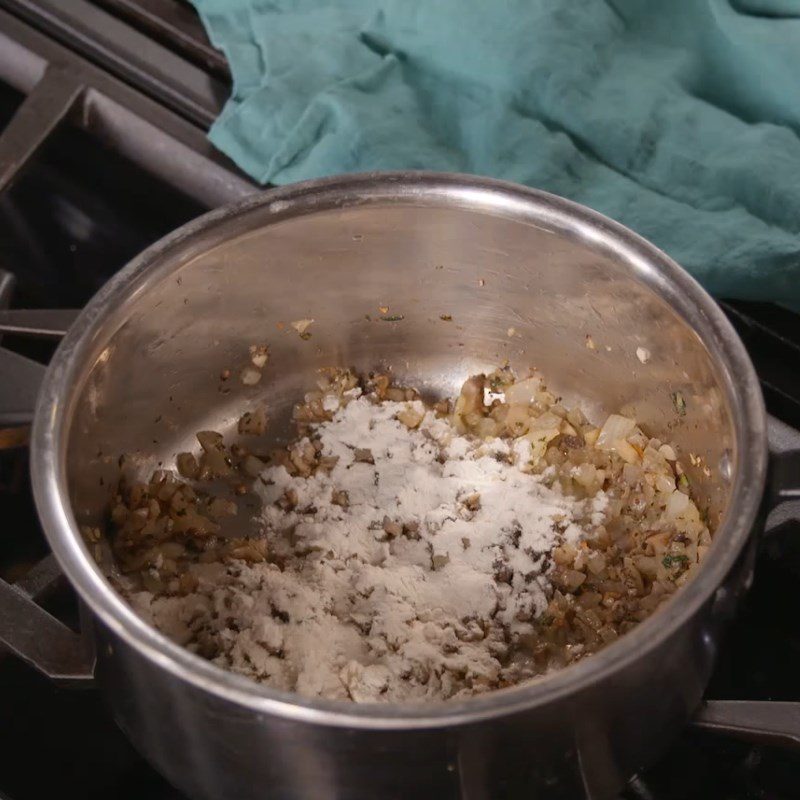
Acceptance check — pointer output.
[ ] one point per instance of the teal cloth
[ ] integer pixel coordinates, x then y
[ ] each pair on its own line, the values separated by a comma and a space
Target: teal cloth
679, 118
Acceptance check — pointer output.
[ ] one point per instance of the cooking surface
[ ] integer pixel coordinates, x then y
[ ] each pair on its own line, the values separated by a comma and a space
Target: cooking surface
65, 226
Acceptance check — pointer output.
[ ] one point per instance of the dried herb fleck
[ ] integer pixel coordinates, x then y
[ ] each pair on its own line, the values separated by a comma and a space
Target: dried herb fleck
679, 403
674, 561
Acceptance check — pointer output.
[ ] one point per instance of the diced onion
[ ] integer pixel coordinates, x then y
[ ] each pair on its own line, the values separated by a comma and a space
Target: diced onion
677, 503
546, 422
616, 427
543, 430
590, 436
524, 392
665, 483
517, 420
410, 416
667, 452
626, 451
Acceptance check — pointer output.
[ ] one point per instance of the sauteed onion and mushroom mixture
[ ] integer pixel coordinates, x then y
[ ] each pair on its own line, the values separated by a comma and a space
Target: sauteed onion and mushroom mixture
408, 551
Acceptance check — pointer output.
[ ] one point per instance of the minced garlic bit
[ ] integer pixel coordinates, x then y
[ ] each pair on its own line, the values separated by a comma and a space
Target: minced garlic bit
590, 343
643, 354
250, 376
259, 355
302, 326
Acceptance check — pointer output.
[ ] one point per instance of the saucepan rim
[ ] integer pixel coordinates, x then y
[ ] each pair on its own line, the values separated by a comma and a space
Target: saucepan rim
106, 311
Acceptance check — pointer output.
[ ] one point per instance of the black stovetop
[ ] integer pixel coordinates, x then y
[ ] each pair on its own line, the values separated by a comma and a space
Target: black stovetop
64, 228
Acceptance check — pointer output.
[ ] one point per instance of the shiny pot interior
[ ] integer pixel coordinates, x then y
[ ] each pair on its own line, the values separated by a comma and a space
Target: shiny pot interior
473, 272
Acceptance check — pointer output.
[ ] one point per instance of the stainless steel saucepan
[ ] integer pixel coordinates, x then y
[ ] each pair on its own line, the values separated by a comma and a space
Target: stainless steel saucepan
525, 276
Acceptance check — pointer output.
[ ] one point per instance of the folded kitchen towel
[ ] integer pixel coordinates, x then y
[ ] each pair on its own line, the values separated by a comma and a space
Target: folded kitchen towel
680, 119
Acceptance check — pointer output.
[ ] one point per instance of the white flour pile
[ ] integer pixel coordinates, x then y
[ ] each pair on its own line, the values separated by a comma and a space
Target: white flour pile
410, 570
